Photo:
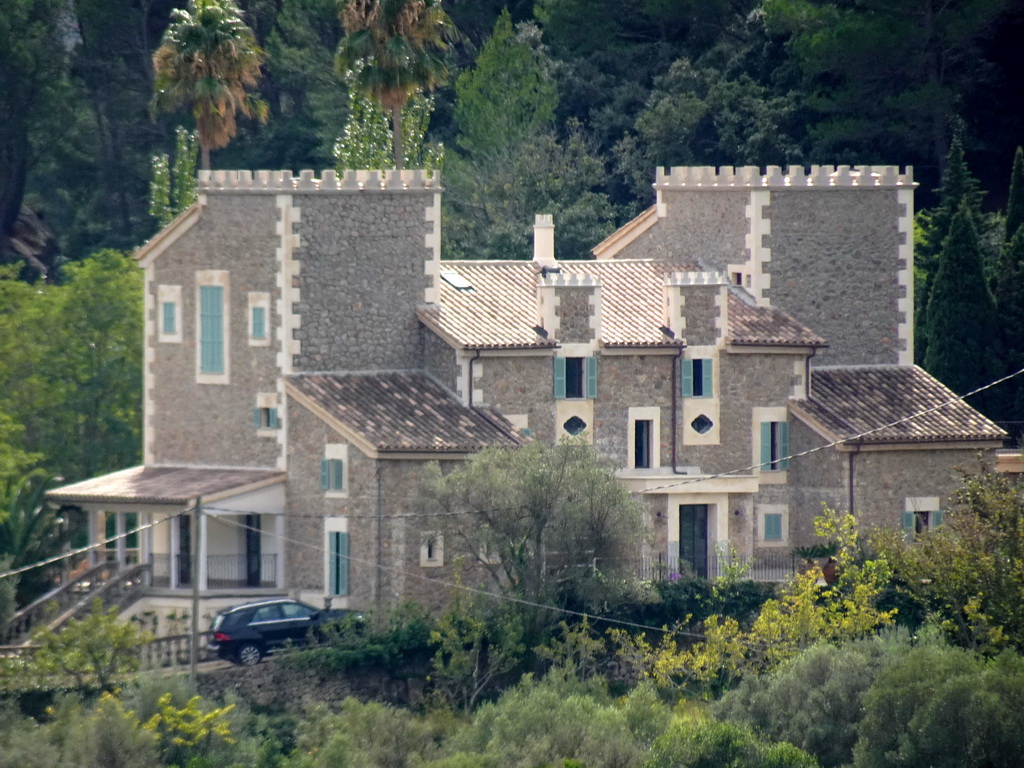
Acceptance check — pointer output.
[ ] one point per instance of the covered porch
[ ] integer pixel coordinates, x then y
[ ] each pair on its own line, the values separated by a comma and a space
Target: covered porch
222, 527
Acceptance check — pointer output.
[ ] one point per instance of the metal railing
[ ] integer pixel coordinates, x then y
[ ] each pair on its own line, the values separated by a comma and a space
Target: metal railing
234, 571
767, 565
70, 600
222, 571
172, 651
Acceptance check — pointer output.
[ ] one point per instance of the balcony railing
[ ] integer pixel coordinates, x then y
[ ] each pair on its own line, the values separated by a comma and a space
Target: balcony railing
767, 565
222, 571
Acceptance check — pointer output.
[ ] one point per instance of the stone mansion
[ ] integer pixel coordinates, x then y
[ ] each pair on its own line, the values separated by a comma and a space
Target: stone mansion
307, 353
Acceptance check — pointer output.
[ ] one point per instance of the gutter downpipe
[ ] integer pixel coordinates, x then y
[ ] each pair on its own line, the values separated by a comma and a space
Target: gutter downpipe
849, 478
380, 561
675, 410
469, 386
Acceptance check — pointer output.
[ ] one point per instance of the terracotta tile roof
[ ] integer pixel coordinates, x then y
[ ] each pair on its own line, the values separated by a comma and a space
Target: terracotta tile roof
752, 325
404, 411
163, 485
498, 306
851, 400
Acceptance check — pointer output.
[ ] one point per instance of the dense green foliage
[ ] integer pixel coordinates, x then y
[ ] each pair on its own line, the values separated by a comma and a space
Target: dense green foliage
962, 327
548, 525
71, 368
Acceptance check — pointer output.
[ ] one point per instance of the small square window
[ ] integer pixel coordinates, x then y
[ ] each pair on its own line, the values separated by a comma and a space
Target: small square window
432, 551
332, 476
168, 321
773, 526
265, 418
919, 522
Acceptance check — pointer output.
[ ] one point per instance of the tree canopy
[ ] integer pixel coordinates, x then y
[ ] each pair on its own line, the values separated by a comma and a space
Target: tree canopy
209, 60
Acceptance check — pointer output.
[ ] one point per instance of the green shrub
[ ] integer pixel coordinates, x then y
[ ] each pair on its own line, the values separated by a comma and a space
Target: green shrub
692, 742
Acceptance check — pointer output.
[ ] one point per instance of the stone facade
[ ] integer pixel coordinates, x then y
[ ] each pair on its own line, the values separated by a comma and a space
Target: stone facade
341, 267
840, 269
212, 424
362, 258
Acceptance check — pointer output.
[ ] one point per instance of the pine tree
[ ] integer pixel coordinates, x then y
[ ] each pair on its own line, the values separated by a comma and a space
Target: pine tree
962, 328
1015, 204
957, 184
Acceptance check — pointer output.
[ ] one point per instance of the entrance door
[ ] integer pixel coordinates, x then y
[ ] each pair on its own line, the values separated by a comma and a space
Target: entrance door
693, 537
184, 553
253, 554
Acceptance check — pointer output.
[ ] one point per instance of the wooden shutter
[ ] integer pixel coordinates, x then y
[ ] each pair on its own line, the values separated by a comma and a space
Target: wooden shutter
783, 440
272, 422
170, 321
766, 446
259, 323
338, 560
707, 377
325, 474
256, 420
591, 372
686, 377
336, 475
773, 526
559, 378
909, 524
935, 519
211, 328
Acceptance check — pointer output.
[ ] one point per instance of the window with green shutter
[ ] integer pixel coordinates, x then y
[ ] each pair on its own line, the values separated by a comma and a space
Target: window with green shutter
259, 322
773, 526
697, 377
265, 418
774, 446
170, 317
332, 476
211, 329
337, 560
575, 377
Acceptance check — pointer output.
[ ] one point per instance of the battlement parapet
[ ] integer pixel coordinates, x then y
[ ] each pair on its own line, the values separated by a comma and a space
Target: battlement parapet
568, 280
696, 278
795, 177
278, 182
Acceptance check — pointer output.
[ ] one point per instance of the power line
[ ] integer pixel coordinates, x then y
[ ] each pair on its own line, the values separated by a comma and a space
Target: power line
97, 545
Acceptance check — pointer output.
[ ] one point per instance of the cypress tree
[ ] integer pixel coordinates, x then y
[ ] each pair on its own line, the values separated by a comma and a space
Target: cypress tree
1010, 308
1009, 294
962, 327
957, 184
1015, 204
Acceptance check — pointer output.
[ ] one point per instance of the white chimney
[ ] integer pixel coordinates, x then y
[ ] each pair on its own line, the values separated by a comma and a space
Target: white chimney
544, 240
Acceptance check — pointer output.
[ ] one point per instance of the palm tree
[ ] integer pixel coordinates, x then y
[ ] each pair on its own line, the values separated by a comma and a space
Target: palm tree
392, 48
30, 531
209, 59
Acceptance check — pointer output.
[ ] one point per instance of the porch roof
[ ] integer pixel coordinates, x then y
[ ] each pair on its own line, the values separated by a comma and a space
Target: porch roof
164, 485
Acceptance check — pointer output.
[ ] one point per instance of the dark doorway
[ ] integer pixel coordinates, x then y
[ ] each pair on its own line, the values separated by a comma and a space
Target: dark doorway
693, 537
253, 554
184, 550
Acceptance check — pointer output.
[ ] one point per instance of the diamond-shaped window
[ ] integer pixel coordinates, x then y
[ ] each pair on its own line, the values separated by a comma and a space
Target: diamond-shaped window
575, 425
702, 424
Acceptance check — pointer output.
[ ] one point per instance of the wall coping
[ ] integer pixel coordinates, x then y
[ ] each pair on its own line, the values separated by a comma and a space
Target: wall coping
329, 181
796, 177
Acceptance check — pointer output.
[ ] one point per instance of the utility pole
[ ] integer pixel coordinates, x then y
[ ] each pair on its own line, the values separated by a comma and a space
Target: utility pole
193, 645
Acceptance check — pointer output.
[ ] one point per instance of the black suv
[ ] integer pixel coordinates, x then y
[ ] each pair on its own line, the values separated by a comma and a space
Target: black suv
246, 633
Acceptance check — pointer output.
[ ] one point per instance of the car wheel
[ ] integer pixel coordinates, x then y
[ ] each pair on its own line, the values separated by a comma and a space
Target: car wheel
248, 654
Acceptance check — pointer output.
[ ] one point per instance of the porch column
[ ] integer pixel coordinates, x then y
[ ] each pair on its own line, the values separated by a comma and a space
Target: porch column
279, 535
173, 547
94, 538
145, 536
203, 548
119, 531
